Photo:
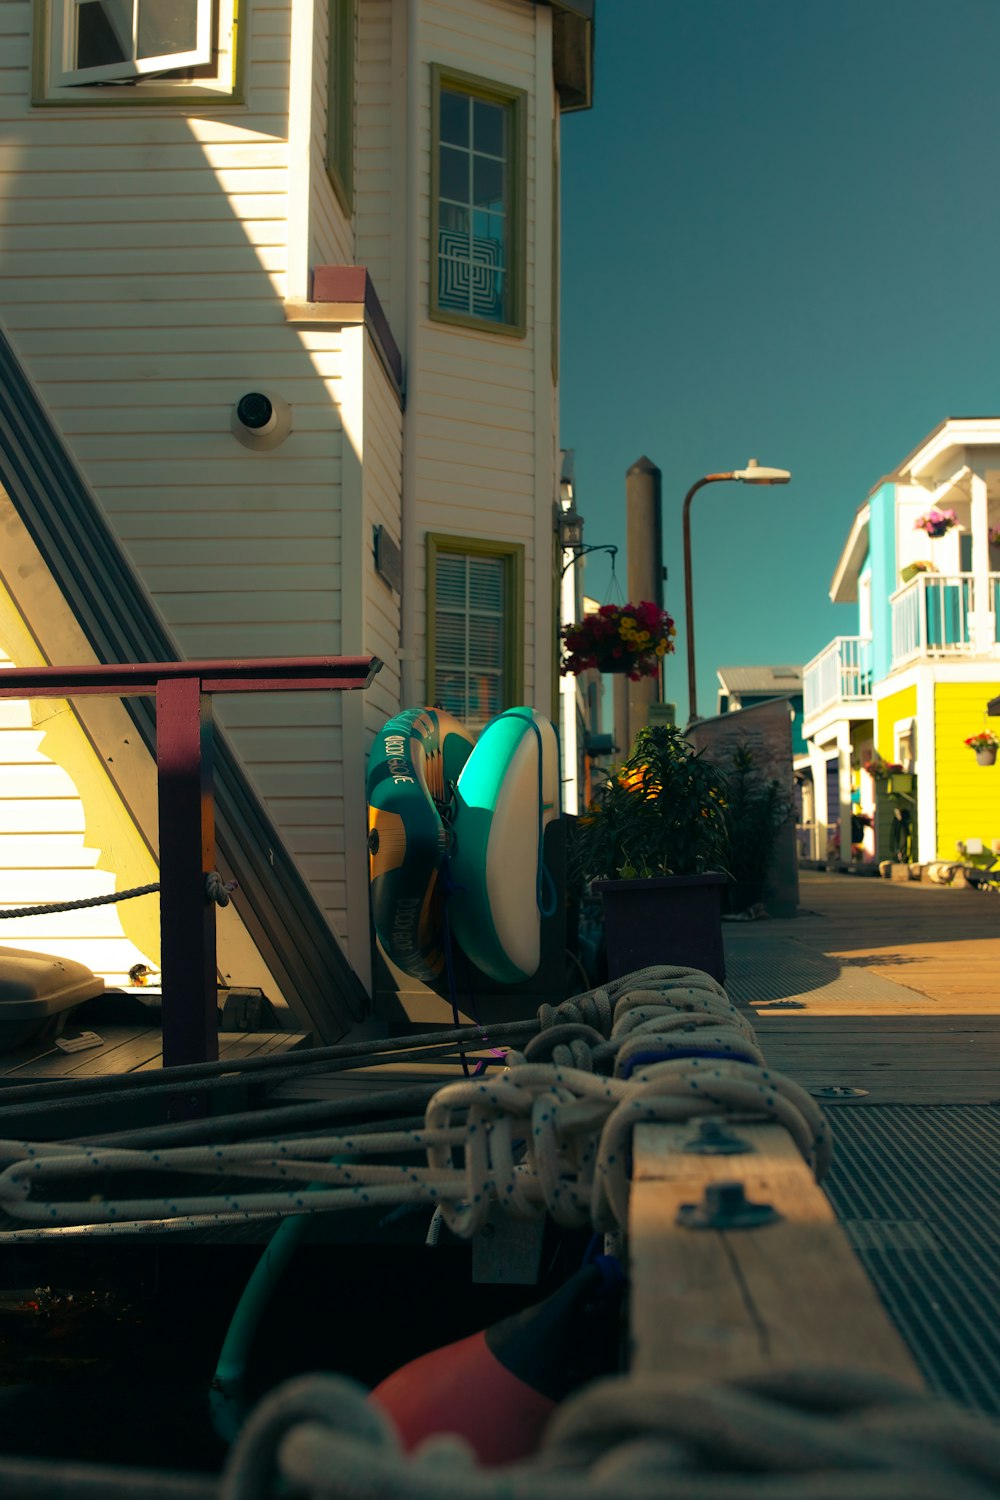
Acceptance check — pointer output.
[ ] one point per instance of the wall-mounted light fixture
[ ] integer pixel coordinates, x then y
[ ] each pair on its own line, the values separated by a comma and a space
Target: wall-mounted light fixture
261, 420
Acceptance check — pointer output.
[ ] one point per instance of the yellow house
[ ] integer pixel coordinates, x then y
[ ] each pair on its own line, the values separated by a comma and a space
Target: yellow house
913, 684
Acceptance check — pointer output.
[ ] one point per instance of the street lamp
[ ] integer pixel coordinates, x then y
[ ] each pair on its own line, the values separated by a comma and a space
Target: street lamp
754, 473
571, 537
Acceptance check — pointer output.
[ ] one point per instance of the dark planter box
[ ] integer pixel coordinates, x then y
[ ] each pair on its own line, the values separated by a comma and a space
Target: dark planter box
665, 919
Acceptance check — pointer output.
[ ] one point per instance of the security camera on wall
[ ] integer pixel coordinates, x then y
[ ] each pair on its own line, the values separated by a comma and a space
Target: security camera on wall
261, 420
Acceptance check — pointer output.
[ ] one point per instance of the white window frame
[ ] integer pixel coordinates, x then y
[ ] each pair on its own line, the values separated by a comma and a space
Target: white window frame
152, 80
65, 14
902, 730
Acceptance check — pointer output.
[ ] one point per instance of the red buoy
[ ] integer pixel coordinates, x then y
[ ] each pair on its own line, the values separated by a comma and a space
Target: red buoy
498, 1388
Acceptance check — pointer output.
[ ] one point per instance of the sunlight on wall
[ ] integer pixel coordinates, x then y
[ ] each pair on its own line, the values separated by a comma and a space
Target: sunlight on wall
64, 834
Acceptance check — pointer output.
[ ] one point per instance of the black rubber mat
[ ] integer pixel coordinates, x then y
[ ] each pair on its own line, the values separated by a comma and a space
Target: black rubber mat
917, 1189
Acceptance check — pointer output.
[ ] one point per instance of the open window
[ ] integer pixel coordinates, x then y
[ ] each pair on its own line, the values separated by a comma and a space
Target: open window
154, 50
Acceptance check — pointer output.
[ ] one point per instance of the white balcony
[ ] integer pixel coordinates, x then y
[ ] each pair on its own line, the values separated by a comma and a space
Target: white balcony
840, 676
939, 615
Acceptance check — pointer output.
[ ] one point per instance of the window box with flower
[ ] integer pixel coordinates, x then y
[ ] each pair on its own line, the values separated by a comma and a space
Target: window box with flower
627, 638
913, 569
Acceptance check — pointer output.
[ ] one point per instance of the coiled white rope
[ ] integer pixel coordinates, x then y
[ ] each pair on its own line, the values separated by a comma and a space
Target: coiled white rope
801, 1434
542, 1137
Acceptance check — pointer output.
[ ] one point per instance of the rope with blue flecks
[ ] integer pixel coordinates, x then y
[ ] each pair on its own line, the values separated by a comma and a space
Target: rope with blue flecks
542, 1137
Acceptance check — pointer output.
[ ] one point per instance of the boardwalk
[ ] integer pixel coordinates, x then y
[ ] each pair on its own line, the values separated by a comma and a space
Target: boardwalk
894, 989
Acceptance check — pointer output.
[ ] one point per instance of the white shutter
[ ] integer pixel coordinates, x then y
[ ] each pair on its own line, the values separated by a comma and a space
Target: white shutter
470, 635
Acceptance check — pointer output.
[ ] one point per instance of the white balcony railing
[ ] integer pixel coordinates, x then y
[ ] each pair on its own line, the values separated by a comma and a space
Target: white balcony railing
842, 673
931, 616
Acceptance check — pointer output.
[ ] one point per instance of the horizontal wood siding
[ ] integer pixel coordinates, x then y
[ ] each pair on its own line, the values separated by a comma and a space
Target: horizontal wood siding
51, 851
383, 459
143, 258
968, 794
374, 175
477, 447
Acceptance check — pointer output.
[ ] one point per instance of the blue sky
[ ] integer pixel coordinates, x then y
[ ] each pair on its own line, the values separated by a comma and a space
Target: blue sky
781, 240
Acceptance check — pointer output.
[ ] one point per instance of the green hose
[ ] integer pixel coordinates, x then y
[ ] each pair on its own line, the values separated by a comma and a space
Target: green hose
227, 1397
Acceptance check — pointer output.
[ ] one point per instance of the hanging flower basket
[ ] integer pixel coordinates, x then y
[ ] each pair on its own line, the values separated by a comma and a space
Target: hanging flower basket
936, 522
628, 638
985, 745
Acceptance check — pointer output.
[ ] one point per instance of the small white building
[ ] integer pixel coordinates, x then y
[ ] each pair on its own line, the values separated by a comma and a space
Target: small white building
347, 211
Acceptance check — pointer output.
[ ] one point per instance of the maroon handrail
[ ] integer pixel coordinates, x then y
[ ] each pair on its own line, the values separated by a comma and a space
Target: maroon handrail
184, 691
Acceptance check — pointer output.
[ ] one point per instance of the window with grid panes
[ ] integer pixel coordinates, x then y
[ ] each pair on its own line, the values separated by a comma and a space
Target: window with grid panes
477, 203
472, 671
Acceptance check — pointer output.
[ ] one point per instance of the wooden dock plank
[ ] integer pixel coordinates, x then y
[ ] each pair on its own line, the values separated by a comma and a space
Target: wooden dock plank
28, 1064
122, 1056
712, 1304
132, 1049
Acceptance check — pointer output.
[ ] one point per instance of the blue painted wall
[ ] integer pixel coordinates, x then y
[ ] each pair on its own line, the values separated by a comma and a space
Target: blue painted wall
882, 560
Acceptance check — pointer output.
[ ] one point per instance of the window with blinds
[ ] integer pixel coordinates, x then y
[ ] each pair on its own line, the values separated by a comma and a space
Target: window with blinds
469, 636
473, 667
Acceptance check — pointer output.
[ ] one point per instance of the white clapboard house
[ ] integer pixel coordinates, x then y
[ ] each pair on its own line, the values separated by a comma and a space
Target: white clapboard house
278, 376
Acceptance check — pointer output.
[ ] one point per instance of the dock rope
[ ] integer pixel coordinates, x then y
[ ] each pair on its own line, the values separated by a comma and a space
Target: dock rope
798, 1434
542, 1137
216, 889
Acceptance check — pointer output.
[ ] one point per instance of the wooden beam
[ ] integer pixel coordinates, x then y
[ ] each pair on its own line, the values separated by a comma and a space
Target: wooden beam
714, 1304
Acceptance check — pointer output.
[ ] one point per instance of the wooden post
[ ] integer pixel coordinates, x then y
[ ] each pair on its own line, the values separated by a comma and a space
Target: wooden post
712, 1304
187, 855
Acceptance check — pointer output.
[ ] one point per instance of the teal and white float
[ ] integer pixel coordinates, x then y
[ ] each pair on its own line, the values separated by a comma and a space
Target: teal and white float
417, 756
431, 793
507, 795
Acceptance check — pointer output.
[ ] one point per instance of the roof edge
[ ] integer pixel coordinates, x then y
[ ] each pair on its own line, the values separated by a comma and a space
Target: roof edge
572, 52
844, 584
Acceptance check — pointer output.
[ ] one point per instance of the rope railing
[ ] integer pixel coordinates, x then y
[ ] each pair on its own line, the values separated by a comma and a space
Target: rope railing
217, 889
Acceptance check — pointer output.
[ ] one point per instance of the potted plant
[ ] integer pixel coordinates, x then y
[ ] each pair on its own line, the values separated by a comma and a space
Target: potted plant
654, 846
879, 769
912, 569
757, 808
985, 744
629, 638
936, 522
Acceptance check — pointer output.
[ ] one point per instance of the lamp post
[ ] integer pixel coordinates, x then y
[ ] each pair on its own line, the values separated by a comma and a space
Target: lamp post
754, 473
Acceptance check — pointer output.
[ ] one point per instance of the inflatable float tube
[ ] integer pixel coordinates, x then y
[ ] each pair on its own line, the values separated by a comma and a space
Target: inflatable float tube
508, 793
417, 756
